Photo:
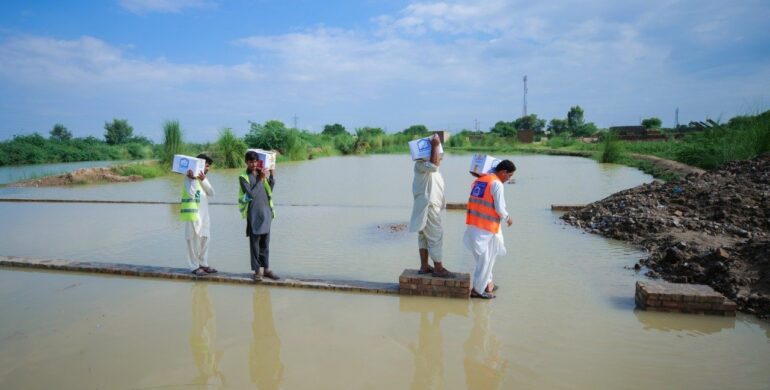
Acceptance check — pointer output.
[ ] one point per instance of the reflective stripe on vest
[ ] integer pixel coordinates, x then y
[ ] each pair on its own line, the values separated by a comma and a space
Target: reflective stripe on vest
188, 210
244, 199
481, 205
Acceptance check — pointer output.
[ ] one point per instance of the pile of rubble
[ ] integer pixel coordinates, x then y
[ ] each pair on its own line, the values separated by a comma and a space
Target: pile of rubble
712, 228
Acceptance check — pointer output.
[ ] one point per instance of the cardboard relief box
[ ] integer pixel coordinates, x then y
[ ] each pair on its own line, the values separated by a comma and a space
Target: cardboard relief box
420, 148
183, 163
265, 158
482, 163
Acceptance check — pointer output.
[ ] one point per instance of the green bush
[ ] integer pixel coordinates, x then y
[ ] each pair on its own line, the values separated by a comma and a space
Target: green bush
146, 170
611, 149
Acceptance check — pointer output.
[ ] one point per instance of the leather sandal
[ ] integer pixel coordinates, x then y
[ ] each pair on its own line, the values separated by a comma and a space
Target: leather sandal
428, 270
210, 270
443, 274
271, 275
484, 295
199, 272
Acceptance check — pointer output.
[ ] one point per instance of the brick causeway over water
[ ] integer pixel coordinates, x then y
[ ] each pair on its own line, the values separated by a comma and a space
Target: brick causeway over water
411, 282
684, 298
184, 274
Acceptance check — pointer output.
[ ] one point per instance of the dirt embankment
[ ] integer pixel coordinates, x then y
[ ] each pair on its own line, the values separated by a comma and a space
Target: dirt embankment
712, 228
80, 176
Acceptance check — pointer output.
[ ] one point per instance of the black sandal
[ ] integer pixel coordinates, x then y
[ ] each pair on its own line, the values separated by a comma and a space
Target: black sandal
199, 272
428, 270
485, 295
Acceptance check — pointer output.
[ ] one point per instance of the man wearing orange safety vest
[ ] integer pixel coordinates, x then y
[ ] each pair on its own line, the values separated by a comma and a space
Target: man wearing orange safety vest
483, 236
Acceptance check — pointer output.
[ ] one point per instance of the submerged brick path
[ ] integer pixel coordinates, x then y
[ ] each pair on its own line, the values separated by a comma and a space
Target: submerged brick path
411, 282
184, 274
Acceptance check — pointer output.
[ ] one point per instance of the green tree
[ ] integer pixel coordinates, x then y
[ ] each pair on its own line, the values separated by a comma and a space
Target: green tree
557, 126
652, 123
117, 132
504, 129
60, 133
586, 130
333, 130
172, 141
529, 122
270, 136
575, 119
416, 131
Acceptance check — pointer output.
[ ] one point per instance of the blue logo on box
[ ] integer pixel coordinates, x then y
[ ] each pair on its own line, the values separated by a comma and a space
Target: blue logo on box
423, 144
184, 163
478, 190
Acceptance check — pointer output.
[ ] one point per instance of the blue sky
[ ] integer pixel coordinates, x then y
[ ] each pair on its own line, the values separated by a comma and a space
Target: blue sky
392, 64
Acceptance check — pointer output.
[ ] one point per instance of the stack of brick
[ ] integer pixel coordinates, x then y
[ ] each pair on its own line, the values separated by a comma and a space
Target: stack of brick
413, 283
683, 298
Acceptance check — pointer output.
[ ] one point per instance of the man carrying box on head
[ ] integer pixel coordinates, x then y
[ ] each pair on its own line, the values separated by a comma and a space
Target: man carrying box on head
483, 236
255, 201
195, 211
428, 192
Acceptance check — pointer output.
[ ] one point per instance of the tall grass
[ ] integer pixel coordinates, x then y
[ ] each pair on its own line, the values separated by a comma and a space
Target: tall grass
172, 141
229, 149
145, 170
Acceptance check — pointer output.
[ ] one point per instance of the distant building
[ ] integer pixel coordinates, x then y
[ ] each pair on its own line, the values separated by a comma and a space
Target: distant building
443, 135
525, 136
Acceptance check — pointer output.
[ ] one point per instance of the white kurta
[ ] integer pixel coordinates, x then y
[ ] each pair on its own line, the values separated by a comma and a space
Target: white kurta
429, 200
486, 246
198, 232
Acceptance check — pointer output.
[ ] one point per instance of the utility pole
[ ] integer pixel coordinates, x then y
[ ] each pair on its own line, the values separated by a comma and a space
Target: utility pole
295, 121
476, 124
525, 97
677, 118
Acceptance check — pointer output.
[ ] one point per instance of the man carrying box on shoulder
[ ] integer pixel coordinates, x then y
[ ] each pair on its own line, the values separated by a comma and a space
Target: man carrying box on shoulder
483, 236
428, 192
195, 211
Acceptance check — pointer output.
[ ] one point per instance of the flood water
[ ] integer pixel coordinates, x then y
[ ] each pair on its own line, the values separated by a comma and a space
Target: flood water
11, 174
564, 316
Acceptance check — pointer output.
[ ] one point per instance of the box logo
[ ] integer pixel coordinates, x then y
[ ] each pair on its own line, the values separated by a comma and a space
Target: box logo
478, 189
423, 145
184, 163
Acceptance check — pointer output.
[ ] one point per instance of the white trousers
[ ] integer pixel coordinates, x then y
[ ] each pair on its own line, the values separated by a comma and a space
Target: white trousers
485, 247
197, 251
431, 237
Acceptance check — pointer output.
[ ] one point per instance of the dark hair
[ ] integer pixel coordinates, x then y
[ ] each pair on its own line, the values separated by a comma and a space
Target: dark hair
506, 165
251, 156
206, 157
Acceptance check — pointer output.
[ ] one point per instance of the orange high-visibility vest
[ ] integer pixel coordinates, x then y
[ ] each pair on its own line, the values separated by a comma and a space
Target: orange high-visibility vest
481, 205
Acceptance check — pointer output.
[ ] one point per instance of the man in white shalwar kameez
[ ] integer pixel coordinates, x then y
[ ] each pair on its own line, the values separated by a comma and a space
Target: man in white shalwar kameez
428, 192
198, 231
483, 236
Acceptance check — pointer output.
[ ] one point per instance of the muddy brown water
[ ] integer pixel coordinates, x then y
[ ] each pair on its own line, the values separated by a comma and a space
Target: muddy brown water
564, 316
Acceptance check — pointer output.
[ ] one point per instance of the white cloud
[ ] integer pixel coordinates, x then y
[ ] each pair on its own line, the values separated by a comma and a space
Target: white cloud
441, 64
148, 6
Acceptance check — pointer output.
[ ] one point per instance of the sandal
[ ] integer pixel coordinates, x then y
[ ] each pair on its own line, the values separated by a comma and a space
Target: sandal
256, 277
428, 270
271, 275
443, 274
485, 295
199, 272
210, 270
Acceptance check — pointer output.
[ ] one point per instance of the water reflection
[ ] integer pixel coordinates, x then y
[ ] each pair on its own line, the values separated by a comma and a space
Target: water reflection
265, 366
203, 337
679, 322
484, 365
429, 348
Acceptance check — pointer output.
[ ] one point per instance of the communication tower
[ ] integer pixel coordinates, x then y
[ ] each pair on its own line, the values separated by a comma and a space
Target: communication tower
525, 97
